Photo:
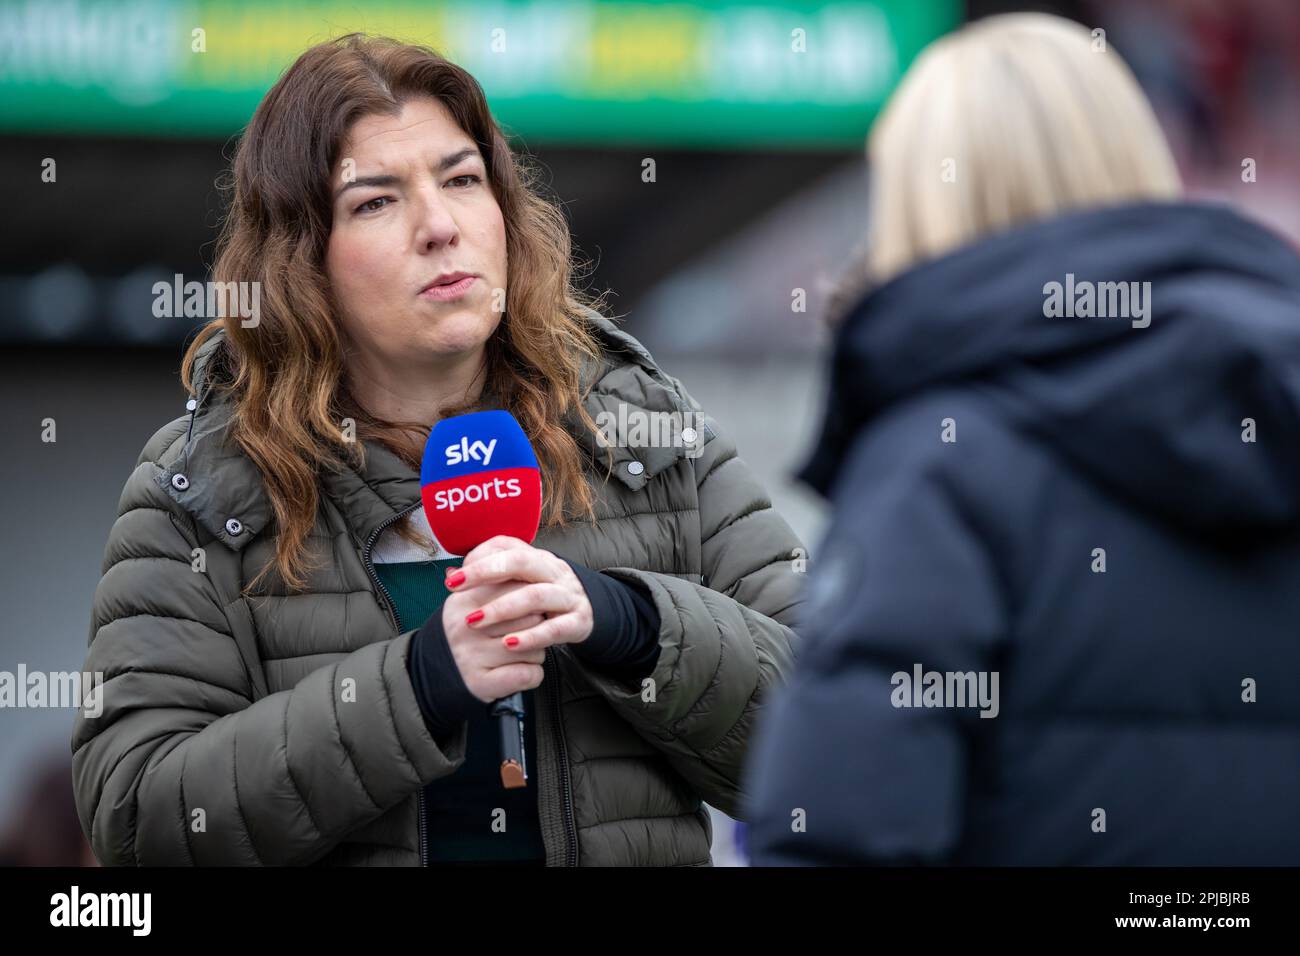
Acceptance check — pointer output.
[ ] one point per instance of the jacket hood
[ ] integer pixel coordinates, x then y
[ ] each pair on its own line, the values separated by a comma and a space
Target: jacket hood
1151, 406
221, 482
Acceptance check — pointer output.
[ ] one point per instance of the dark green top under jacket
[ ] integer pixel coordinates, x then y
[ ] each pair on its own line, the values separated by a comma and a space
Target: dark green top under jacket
460, 810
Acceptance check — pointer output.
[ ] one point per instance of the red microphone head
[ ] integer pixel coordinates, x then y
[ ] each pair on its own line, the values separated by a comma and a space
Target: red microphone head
480, 478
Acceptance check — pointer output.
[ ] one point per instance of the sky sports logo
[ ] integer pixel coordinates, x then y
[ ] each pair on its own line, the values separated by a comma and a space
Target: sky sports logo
465, 452
449, 499
479, 478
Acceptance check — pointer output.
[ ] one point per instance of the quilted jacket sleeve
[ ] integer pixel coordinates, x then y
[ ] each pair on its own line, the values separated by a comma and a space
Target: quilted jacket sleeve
726, 642
181, 765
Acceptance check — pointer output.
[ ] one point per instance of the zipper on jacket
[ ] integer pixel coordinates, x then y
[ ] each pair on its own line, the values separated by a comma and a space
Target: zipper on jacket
566, 786
370, 568
419, 809
392, 615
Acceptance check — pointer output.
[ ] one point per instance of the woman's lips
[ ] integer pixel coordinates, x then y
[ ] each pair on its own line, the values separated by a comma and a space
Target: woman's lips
450, 291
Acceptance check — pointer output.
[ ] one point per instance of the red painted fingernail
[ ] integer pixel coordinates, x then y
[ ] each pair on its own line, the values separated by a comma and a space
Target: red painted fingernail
449, 570
456, 580
474, 616
512, 641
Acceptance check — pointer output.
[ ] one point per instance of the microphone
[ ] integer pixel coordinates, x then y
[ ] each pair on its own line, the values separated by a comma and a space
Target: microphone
479, 478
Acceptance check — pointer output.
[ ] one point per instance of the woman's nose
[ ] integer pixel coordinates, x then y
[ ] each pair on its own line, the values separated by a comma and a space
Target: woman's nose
437, 226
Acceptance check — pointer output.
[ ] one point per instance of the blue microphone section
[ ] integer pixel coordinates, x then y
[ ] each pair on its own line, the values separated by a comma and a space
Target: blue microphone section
480, 441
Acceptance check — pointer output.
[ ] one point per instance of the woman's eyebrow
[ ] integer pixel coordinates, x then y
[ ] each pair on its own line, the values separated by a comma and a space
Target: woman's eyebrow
368, 181
444, 164
451, 159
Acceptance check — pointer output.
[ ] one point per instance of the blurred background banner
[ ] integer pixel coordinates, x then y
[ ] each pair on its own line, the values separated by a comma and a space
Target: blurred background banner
118, 121
563, 71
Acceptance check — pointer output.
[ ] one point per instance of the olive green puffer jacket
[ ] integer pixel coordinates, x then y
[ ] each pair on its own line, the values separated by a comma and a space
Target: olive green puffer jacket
283, 728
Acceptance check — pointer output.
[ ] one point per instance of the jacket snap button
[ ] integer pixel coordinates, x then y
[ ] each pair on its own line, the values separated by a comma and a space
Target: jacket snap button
180, 482
233, 526
688, 435
635, 467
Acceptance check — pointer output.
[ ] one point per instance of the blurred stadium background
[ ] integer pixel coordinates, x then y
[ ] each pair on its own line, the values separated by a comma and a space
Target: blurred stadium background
759, 190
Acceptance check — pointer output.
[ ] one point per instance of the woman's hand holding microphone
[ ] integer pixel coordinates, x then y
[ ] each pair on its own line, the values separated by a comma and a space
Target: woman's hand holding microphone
509, 602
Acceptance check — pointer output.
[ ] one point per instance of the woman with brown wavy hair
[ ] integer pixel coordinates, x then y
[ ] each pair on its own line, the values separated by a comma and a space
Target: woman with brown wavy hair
295, 671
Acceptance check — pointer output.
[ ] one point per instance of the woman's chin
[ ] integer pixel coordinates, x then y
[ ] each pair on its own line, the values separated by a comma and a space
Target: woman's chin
460, 331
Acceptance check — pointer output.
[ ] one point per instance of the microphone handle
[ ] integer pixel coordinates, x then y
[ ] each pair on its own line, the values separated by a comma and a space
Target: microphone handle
509, 712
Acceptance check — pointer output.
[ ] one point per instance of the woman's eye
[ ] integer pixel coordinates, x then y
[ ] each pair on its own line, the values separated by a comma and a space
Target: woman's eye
370, 204
468, 179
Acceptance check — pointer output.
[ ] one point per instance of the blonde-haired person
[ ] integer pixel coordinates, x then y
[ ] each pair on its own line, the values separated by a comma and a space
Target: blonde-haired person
290, 657
1053, 620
